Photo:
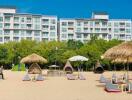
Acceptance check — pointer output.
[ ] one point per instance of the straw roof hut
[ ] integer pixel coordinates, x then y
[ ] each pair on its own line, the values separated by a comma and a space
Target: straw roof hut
34, 69
120, 53
33, 58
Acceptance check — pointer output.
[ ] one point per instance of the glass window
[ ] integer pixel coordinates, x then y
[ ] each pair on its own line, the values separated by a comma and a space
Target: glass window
86, 23
16, 32
64, 23
1, 32
97, 29
128, 30
1, 39
52, 34
116, 24
7, 32
78, 29
22, 19
45, 34
16, 19
36, 33
45, 21
29, 19
1, 25
52, 27
1, 19
64, 29
7, 25
16, 26
91, 23
78, 23
29, 33
128, 24
53, 21
37, 20
70, 23
37, 26
116, 30
79, 36
29, 26
85, 35
7, 19
45, 27
23, 33
23, 25
64, 35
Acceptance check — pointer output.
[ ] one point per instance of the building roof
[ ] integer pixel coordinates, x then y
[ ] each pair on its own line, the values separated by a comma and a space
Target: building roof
100, 13
7, 7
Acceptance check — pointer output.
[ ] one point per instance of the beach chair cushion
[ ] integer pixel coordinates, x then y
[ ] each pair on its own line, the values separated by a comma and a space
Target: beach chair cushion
26, 78
103, 79
112, 87
81, 77
40, 77
70, 77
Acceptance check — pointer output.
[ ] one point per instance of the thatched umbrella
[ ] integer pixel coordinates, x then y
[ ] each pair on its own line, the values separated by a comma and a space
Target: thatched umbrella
121, 53
34, 59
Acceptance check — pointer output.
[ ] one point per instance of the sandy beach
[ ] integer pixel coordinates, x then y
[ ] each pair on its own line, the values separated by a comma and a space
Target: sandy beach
57, 88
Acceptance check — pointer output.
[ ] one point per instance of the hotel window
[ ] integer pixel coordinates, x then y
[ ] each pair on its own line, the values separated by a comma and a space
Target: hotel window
116, 24
16, 38
85, 23
109, 24
104, 29
64, 23
16, 33
85, 29
6, 39
79, 36
23, 33
36, 33
128, 24
52, 34
85, 35
97, 24
28, 33
1, 25
37, 20
1, 39
29, 26
45, 27
122, 23
64, 35
7, 25
52, 21
104, 23
23, 25
116, 30
91, 23
37, 39
22, 19
29, 19
97, 29
7, 32
52, 27
16, 19
78, 29
1, 32
1, 19
78, 23
64, 29
7, 19
70, 36
36, 26
128, 30
16, 26
45, 34
70, 23
45, 21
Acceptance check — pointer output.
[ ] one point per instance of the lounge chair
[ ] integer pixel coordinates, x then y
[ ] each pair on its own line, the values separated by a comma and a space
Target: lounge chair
112, 87
26, 78
70, 77
81, 77
39, 78
129, 87
103, 79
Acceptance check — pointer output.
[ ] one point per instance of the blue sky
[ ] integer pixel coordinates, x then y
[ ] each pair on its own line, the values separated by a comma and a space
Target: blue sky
73, 8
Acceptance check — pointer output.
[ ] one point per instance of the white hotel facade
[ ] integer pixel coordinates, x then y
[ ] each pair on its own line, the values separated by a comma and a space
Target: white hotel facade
16, 26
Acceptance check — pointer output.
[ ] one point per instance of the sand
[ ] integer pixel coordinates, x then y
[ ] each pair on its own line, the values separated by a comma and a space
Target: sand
57, 88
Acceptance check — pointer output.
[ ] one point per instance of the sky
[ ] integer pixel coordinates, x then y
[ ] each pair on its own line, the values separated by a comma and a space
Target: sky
118, 9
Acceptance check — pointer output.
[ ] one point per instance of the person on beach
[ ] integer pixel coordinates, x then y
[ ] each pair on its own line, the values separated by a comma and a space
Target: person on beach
1, 72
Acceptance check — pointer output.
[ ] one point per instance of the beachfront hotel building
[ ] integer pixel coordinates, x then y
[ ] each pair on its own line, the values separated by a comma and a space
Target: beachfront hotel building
99, 25
16, 26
